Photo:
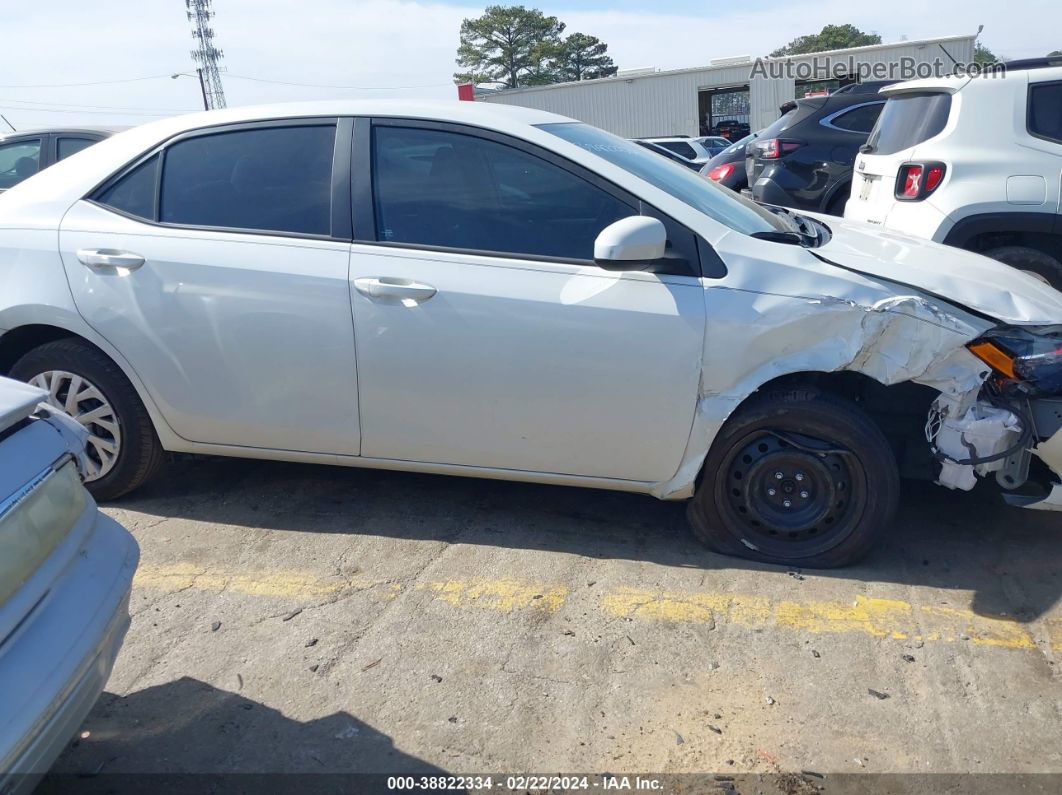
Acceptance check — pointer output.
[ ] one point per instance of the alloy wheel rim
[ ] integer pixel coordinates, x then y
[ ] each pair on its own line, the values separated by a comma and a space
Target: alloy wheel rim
79, 398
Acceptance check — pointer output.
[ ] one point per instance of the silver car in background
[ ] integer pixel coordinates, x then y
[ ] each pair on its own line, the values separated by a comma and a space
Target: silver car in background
65, 575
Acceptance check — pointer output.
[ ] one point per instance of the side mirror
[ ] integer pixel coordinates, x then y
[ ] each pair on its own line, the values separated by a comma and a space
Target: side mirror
630, 244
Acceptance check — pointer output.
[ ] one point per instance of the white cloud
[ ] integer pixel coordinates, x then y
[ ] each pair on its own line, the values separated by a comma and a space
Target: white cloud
380, 43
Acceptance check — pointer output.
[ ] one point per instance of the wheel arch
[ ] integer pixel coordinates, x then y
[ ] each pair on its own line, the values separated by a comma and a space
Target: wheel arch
984, 231
20, 340
898, 409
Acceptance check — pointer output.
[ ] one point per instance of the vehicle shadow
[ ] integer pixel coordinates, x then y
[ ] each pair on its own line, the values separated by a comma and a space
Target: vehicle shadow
188, 736
955, 540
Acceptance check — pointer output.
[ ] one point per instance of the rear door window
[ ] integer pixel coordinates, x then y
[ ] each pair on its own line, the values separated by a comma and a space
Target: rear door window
18, 161
1045, 111
269, 179
907, 120
64, 147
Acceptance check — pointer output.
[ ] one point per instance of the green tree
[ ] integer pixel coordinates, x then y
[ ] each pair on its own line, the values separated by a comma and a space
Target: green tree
582, 57
983, 55
513, 45
831, 37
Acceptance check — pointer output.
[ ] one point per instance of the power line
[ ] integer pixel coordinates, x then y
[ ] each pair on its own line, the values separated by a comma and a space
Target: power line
326, 85
95, 107
77, 85
24, 109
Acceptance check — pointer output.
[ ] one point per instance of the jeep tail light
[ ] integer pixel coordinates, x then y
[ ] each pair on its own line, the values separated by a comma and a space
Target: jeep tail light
720, 173
774, 148
915, 181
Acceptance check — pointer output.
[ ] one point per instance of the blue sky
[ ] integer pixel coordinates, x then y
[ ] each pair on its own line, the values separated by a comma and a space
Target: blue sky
378, 45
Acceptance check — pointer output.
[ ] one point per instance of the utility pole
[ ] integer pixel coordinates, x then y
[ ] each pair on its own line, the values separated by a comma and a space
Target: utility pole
202, 87
206, 55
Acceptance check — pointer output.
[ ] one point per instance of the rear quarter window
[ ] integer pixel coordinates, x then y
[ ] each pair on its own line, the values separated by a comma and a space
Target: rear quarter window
909, 119
859, 119
1045, 111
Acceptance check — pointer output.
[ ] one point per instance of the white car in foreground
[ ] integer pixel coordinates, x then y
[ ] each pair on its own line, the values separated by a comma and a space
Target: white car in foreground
65, 575
501, 292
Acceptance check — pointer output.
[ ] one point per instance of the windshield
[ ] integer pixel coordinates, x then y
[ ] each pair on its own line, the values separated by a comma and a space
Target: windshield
722, 204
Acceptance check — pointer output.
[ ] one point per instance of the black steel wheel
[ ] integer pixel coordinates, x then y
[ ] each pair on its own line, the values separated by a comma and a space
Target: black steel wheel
800, 478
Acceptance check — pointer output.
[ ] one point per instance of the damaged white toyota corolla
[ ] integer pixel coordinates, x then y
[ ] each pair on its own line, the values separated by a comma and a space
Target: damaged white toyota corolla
500, 292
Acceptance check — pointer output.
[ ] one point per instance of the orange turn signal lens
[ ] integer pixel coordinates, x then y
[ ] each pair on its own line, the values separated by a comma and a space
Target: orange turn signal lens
997, 358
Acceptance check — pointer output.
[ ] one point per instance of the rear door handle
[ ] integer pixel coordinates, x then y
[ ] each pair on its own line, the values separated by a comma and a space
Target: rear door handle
383, 287
103, 258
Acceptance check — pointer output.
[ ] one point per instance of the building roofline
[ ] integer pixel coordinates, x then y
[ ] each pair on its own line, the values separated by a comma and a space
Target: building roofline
718, 67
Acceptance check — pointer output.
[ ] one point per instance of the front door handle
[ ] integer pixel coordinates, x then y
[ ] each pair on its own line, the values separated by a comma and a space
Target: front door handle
383, 287
103, 258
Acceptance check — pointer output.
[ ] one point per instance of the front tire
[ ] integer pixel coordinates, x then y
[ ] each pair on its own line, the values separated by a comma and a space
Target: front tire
123, 450
797, 478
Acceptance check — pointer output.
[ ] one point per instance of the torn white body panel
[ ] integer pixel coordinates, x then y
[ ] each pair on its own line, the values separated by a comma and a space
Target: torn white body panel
1050, 452
1052, 502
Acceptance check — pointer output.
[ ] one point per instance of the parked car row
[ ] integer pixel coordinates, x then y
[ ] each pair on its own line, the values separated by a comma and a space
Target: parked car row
935, 158
973, 163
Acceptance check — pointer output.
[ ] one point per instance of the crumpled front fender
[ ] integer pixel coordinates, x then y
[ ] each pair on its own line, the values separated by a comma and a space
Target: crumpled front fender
753, 337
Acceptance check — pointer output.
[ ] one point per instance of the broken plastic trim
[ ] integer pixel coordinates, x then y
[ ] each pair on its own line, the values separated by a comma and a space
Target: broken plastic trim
936, 421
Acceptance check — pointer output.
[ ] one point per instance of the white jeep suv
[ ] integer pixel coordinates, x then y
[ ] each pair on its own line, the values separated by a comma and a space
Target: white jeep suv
971, 162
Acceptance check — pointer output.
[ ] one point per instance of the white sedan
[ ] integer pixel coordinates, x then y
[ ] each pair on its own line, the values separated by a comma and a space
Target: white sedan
500, 292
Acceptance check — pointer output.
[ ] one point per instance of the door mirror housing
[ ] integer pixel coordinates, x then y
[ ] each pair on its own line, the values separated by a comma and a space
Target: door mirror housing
630, 244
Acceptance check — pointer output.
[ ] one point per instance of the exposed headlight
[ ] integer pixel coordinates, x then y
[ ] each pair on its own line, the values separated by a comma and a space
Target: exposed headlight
1031, 358
34, 521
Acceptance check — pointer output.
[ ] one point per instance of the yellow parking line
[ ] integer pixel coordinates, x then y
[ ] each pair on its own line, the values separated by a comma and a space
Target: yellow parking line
884, 618
179, 577
504, 595
875, 617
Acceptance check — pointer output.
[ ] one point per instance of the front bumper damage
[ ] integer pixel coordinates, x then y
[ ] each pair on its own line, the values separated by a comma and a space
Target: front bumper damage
1001, 436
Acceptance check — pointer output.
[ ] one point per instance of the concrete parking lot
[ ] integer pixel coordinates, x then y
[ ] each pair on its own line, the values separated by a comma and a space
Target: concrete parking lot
309, 619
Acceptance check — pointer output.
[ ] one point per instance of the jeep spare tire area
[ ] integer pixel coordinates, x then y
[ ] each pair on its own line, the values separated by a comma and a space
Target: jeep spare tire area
1033, 261
798, 478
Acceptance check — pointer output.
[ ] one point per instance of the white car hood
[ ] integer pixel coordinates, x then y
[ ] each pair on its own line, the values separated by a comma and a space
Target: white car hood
960, 277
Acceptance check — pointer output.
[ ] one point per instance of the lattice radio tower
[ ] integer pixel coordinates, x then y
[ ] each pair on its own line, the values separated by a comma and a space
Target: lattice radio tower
206, 55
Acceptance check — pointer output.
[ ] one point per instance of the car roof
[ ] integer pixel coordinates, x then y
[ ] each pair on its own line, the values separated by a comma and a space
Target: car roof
954, 83
91, 130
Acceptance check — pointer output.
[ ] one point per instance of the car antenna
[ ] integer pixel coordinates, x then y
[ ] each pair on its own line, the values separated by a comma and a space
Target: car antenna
9, 124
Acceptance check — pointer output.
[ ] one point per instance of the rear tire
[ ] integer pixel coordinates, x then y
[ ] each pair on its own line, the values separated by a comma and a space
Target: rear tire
125, 425
797, 478
1034, 261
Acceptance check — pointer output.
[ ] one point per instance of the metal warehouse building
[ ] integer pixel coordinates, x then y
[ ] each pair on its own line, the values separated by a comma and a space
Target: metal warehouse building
698, 101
